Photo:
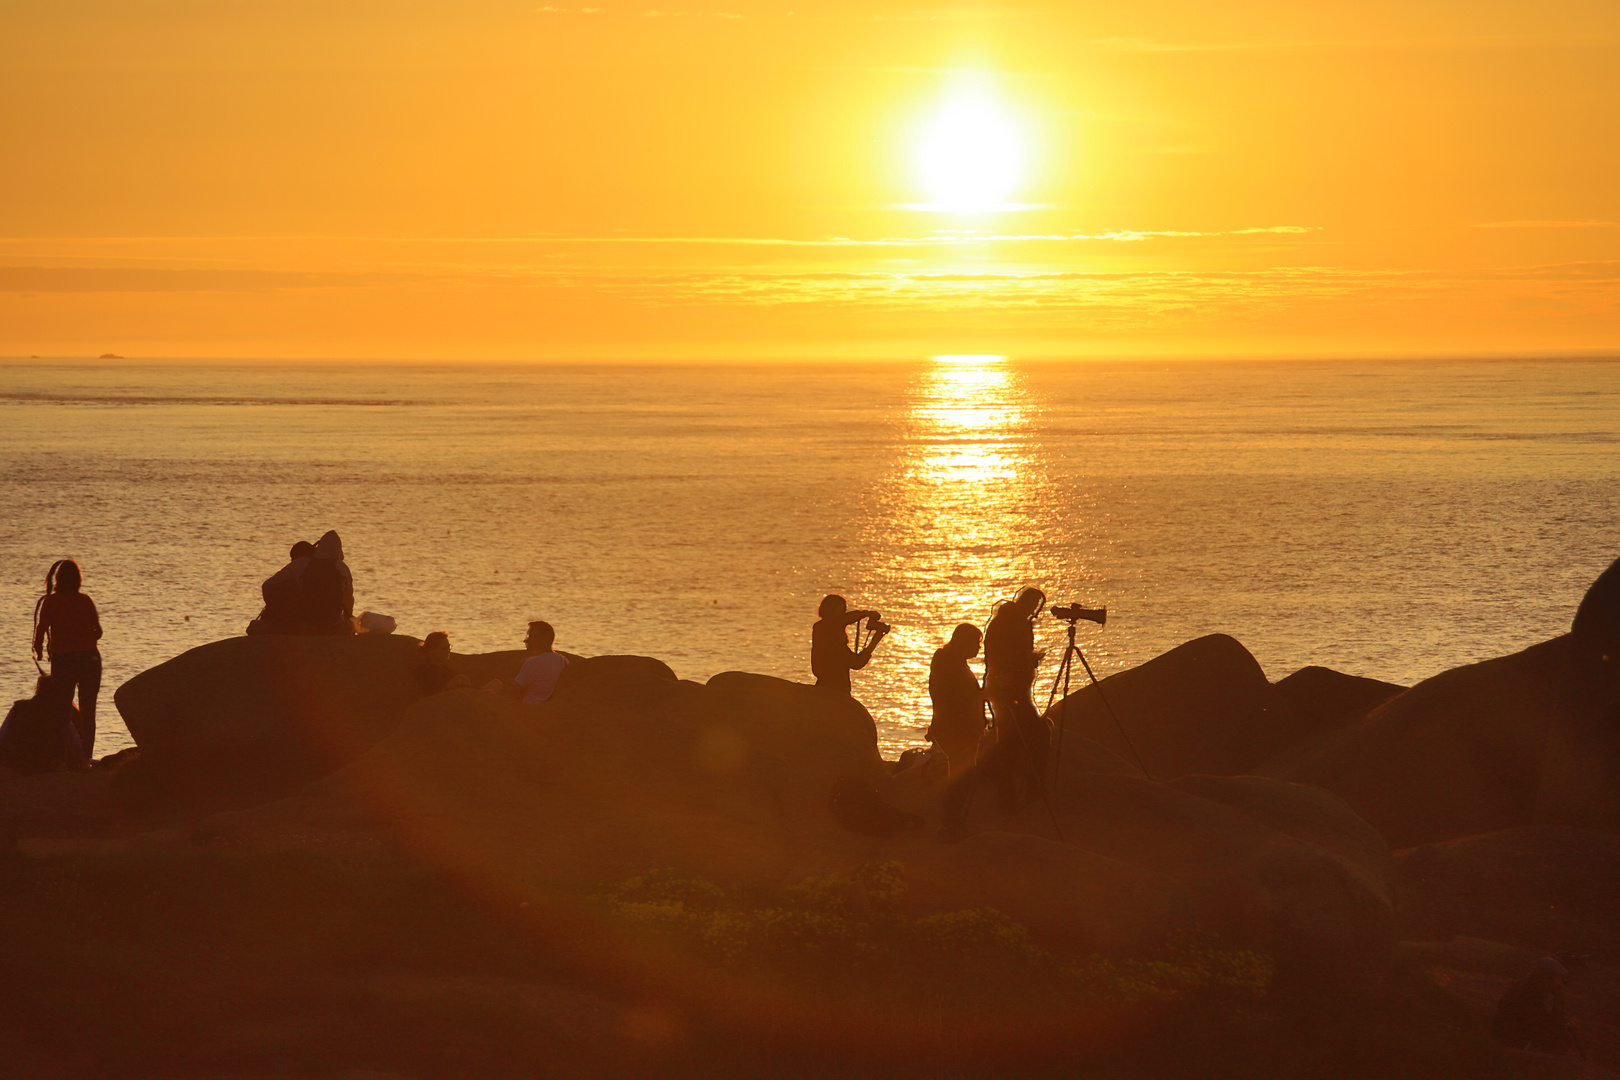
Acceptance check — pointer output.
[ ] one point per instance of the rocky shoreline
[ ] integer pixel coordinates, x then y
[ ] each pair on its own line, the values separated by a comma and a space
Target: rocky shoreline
311, 869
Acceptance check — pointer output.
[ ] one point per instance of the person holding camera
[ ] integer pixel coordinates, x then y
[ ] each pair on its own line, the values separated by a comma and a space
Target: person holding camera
831, 658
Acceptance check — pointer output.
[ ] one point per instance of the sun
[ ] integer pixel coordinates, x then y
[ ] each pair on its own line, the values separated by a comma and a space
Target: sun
970, 156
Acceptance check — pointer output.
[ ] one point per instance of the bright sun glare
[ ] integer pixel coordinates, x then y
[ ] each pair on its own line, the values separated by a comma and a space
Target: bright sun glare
970, 157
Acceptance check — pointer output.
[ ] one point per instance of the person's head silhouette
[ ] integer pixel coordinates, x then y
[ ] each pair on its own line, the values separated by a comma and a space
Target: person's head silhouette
1029, 602
832, 606
965, 640
540, 638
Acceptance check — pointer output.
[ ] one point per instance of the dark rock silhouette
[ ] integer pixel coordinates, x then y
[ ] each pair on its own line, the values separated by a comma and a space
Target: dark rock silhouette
1546, 887
1202, 707
1458, 754
250, 718
1580, 781
1325, 701
628, 768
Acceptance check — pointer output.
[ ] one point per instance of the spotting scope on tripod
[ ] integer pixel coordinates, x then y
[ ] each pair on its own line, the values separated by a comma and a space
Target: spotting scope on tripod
1073, 614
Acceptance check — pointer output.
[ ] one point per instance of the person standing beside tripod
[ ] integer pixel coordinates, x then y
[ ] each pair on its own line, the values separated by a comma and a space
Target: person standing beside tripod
1022, 736
1010, 661
831, 658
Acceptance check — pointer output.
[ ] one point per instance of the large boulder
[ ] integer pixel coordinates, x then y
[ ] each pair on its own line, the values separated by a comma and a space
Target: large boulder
1546, 887
1202, 707
1326, 701
1458, 754
1281, 867
250, 718
1580, 780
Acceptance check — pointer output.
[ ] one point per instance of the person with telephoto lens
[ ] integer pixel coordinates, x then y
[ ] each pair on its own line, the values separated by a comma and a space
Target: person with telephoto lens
831, 658
1018, 758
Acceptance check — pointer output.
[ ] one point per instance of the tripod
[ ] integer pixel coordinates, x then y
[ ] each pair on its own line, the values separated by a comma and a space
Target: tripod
1073, 616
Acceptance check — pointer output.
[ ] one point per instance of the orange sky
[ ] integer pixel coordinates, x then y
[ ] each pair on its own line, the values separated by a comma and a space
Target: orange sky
498, 179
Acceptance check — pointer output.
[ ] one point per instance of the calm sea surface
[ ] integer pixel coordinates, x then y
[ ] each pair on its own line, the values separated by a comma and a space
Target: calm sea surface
1389, 519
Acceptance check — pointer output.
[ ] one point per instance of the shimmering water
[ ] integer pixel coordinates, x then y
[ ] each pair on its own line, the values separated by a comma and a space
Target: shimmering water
1386, 518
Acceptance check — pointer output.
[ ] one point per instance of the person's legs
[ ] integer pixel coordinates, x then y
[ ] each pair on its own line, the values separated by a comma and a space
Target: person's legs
959, 795
80, 670
89, 690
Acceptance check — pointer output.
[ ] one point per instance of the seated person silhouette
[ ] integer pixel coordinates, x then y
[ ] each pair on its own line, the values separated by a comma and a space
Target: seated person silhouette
40, 734
432, 666
958, 701
537, 679
283, 594
831, 658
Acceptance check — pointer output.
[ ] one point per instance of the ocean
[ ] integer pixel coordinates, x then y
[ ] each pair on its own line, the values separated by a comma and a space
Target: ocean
1385, 518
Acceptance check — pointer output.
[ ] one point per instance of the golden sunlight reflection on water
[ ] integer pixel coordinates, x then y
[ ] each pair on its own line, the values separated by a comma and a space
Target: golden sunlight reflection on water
966, 491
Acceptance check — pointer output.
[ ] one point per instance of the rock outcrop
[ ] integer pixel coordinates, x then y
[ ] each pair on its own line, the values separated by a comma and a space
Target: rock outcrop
1551, 888
629, 769
249, 718
1202, 707
1580, 782
1326, 701
1458, 754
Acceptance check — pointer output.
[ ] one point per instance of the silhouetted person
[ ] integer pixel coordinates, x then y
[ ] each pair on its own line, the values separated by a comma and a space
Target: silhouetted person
40, 734
330, 547
958, 701
1017, 761
327, 593
67, 626
831, 658
432, 667
1531, 1016
283, 594
537, 679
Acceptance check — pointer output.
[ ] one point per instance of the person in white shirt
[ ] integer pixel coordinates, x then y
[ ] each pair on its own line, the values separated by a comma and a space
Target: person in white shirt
537, 678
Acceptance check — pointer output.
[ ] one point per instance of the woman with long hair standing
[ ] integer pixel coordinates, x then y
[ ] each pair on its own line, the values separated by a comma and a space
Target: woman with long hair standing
67, 626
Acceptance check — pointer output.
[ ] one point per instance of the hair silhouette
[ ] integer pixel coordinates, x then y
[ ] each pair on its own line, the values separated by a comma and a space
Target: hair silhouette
64, 576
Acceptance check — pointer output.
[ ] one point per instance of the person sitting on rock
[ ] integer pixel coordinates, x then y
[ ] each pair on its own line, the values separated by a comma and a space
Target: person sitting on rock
831, 658
432, 667
328, 590
40, 734
1531, 1016
958, 701
330, 547
283, 594
537, 679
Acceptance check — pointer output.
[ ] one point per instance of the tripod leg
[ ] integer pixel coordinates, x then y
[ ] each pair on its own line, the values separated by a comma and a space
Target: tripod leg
1109, 706
1063, 711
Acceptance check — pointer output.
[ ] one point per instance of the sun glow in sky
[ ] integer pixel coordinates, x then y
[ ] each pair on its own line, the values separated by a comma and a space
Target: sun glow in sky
971, 155
489, 178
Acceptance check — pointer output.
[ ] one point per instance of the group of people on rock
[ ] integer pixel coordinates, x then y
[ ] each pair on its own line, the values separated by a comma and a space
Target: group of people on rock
312, 594
533, 684
1016, 760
